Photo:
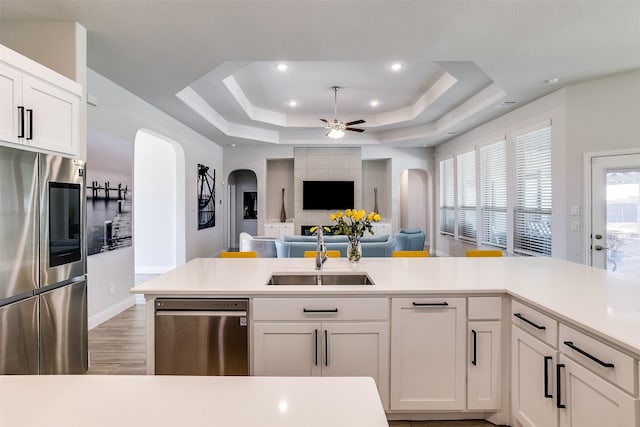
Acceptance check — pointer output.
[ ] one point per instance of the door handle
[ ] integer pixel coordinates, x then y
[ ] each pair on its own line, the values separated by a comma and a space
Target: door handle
430, 304
326, 349
319, 310
524, 319
559, 404
21, 122
30, 114
572, 346
599, 248
547, 395
474, 361
315, 352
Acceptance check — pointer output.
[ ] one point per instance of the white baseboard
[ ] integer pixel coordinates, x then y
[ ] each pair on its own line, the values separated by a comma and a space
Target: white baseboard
110, 312
154, 269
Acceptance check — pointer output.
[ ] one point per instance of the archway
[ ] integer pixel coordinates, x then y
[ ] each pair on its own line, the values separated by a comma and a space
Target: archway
243, 204
415, 201
159, 218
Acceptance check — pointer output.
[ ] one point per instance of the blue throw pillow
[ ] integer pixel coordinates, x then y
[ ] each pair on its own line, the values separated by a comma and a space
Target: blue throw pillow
410, 231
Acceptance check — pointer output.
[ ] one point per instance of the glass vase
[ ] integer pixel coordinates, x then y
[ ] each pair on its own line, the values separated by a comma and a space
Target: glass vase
354, 250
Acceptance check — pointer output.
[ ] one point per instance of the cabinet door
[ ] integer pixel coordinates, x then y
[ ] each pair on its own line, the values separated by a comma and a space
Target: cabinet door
53, 120
484, 366
428, 354
10, 100
286, 349
271, 230
591, 401
532, 381
357, 349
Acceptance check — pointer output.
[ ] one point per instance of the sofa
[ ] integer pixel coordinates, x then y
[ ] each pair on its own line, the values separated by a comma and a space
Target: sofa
410, 239
263, 246
295, 246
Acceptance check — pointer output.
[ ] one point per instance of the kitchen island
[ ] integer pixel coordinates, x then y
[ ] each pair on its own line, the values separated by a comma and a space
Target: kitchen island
157, 401
461, 302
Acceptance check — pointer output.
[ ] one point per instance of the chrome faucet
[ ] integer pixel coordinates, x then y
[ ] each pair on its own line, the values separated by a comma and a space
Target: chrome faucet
321, 250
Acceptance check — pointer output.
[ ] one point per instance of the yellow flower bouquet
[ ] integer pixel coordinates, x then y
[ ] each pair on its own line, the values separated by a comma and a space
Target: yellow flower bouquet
353, 223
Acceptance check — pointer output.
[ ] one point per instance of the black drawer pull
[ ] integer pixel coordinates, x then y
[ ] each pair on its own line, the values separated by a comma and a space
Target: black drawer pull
315, 340
320, 310
547, 395
559, 404
326, 348
430, 304
21, 120
584, 353
524, 319
474, 361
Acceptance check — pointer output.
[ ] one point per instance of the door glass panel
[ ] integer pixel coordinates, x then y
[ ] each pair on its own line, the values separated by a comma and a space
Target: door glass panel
64, 223
623, 221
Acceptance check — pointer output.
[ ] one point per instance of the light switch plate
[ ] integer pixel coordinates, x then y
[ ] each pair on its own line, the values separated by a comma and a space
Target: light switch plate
575, 225
575, 210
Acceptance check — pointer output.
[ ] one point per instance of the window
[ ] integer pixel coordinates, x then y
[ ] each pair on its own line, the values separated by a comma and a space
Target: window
447, 200
493, 193
532, 210
466, 207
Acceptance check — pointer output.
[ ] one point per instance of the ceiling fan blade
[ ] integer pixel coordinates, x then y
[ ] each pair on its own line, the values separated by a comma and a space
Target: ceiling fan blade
324, 120
354, 129
356, 122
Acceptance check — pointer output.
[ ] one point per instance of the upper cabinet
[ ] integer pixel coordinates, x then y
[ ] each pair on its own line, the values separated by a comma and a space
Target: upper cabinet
38, 107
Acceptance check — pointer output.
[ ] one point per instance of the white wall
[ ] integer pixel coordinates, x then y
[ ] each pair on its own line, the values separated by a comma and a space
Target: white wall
244, 181
155, 221
598, 115
123, 114
279, 176
400, 159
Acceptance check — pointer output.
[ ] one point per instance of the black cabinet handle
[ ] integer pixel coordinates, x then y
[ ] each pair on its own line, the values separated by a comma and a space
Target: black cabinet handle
546, 377
430, 304
315, 342
475, 340
326, 349
559, 404
590, 356
320, 310
524, 319
30, 113
21, 122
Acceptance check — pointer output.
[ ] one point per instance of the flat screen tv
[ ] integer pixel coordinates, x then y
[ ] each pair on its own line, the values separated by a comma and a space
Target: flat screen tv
318, 195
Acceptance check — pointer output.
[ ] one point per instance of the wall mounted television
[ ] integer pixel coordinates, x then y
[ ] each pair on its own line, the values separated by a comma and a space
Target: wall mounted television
319, 195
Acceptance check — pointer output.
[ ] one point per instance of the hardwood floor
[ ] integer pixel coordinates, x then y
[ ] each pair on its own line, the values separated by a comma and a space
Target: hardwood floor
117, 347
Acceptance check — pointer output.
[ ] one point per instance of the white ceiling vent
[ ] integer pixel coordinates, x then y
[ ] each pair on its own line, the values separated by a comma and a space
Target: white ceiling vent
506, 104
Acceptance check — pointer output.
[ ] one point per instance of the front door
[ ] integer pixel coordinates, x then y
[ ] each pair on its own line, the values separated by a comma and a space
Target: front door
615, 210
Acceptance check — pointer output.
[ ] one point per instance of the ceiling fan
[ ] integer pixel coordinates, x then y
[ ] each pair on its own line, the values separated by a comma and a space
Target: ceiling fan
336, 127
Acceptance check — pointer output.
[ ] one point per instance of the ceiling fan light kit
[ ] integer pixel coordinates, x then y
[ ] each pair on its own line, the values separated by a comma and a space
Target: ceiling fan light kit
336, 127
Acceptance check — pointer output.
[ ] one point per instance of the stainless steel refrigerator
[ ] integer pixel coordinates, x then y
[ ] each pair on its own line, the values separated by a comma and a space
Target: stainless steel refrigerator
43, 287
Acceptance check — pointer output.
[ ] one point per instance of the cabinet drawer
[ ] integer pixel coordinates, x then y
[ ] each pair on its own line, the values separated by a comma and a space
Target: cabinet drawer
320, 309
485, 308
534, 322
595, 354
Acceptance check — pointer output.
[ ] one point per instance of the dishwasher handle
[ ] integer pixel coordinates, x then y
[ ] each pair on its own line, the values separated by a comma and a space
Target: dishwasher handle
209, 313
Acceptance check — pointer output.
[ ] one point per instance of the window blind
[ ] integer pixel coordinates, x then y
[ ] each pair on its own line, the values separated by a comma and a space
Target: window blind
447, 200
493, 194
466, 168
532, 211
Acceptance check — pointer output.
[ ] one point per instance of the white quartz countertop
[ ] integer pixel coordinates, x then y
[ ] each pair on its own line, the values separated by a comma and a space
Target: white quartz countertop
603, 302
156, 401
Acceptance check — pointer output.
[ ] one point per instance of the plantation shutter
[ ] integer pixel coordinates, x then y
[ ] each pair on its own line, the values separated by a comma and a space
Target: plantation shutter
532, 213
493, 194
447, 201
466, 164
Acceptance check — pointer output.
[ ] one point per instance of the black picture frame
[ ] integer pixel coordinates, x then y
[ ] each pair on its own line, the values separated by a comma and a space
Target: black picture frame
206, 197
250, 205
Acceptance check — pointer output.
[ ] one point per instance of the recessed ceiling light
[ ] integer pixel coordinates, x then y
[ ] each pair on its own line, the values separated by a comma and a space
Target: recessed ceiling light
552, 81
233, 145
293, 103
282, 67
374, 103
396, 66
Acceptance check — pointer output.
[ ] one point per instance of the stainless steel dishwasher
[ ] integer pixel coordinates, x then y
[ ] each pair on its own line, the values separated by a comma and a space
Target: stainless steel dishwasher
197, 336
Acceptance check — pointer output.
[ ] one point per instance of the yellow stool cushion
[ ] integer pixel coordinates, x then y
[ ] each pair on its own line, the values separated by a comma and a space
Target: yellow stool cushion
330, 254
484, 252
419, 254
247, 254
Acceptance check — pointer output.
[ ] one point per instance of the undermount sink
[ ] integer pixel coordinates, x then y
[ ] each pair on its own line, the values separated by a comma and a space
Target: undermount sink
319, 279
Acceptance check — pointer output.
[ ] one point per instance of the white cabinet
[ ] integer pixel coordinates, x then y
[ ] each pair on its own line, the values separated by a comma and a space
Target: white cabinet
589, 401
484, 366
34, 110
341, 337
532, 381
428, 354
278, 229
